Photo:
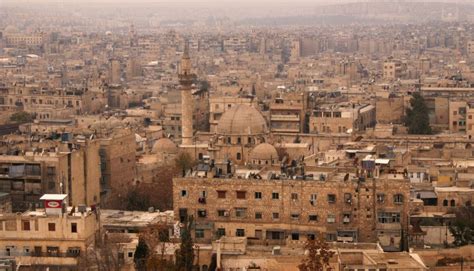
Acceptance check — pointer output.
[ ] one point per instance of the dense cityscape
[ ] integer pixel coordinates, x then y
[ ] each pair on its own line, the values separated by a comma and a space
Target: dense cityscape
236, 136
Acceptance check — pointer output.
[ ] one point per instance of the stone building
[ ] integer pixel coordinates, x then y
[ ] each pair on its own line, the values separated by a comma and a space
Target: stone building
286, 211
117, 166
390, 110
219, 105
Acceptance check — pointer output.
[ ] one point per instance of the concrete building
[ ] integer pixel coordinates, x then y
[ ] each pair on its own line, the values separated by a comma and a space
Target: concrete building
287, 113
393, 69
342, 118
74, 172
53, 237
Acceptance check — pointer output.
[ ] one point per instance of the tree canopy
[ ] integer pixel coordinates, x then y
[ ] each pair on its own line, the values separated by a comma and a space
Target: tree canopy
21, 117
462, 227
417, 119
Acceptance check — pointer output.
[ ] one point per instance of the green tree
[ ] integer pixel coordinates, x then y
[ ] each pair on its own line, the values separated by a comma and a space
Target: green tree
141, 254
21, 117
417, 119
462, 227
317, 257
185, 253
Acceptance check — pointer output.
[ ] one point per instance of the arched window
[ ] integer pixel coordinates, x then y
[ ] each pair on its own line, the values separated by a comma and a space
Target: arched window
445, 202
468, 203
239, 156
453, 202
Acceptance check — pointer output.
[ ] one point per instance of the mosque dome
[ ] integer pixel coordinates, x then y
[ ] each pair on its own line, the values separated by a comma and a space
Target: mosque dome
264, 152
10, 30
242, 120
164, 145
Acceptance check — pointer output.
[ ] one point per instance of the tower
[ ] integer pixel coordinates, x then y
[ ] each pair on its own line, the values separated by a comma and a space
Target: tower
186, 79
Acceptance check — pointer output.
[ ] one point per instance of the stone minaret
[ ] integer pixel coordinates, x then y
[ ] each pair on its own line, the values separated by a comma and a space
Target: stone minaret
186, 79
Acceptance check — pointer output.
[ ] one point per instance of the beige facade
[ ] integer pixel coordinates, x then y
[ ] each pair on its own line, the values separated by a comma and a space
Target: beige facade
40, 240
342, 118
457, 116
219, 105
117, 165
287, 113
390, 110
393, 69
288, 211
26, 177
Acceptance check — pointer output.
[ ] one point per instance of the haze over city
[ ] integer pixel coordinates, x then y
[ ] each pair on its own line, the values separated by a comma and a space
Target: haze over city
227, 135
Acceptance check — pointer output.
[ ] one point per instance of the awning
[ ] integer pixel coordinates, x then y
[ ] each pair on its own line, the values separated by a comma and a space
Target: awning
427, 195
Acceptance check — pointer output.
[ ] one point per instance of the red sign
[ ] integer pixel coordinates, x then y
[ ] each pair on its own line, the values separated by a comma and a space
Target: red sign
52, 204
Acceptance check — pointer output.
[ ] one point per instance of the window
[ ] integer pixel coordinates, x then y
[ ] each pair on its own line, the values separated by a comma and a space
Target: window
275, 195
275, 215
295, 216
241, 194
184, 193
199, 233
130, 254
398, 199
388, 217
313, 217
221, 194
346, 218
240, 232
295, 236
294, 196
348, 198
380, 198
445, 202
312, 199
258, 195
258, 215
73, 251
202, 213
51, 170
240, 212
331, 198
221, 213
26, 225
73, 227
220, 232
239, 156
52, 251
331, 219
51, 226
453, 203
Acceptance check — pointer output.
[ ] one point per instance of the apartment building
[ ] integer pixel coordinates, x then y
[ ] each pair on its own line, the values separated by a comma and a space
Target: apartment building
49, 238
283, 211
342, 118
287, 113
71, 171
